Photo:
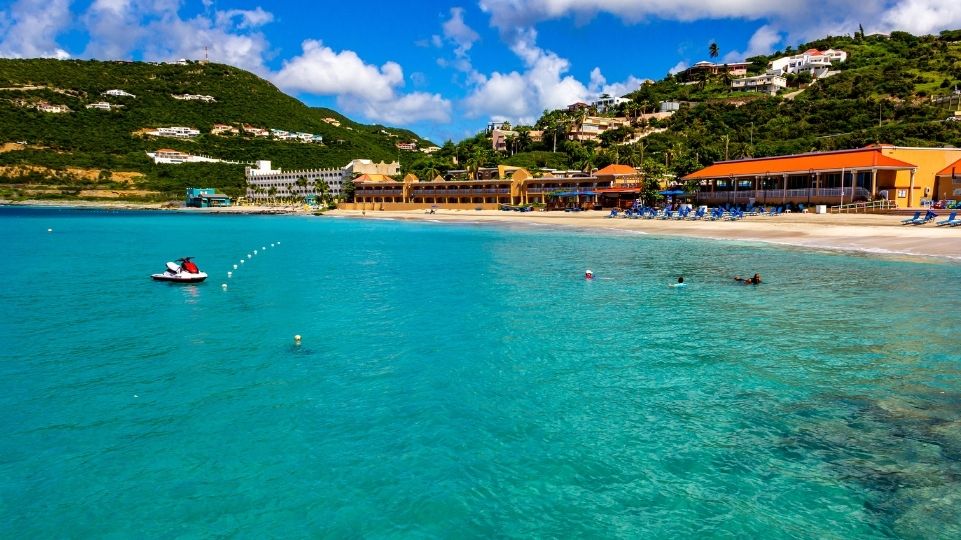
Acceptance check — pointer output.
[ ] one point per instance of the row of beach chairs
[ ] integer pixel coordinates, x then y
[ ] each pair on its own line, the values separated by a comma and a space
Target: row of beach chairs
929, 216
716, 214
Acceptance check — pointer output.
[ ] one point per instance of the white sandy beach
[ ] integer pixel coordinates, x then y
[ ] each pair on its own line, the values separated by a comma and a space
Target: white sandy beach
869, 233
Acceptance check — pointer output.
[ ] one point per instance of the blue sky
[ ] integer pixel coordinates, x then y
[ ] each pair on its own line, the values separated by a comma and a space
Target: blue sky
444, 69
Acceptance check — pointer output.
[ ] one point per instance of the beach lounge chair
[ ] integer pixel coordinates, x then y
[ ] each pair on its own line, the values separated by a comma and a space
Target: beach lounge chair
912, 220
948, 221
928, 216
613, 213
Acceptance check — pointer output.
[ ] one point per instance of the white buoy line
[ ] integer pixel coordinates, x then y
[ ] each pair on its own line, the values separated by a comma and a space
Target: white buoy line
250, 256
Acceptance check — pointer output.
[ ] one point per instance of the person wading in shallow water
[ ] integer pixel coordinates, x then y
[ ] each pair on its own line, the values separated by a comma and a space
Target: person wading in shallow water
755, 280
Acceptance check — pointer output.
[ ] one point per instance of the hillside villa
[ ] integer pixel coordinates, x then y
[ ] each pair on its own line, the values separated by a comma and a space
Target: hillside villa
178, 132
407, 146
118, 93
169, 156
768, 84
591, 127
193, 97
812, 61
104, 106
55, 109
693, 73
224, 129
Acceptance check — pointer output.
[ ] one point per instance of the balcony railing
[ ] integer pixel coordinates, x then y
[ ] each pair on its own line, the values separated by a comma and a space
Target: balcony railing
777, 195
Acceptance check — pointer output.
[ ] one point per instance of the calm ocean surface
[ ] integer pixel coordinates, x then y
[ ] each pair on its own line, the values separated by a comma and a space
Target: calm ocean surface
459, 380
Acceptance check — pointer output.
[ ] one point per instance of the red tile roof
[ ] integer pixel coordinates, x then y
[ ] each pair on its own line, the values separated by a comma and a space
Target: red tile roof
614, 170
862, 158
951, 170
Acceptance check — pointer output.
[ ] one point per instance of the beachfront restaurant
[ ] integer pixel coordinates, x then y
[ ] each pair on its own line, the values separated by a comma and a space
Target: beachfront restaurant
903, 175
206, 198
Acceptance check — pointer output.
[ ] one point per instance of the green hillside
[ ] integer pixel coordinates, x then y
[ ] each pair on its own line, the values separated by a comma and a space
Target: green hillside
893, 89
108, 140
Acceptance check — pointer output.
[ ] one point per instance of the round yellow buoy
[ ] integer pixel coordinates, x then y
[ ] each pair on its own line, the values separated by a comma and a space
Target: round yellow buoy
255, 252
229, 274
49, 230
223, 286
297, 339
241, 261
235, 267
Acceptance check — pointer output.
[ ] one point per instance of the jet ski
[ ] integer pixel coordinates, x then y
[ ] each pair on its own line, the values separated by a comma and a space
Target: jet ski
181, 271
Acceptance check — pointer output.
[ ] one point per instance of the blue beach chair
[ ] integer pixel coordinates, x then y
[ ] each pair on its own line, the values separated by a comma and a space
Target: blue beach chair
948, 221
912, 220
928, 216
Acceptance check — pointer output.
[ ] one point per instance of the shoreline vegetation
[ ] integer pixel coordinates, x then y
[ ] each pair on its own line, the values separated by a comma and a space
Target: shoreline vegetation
875, 234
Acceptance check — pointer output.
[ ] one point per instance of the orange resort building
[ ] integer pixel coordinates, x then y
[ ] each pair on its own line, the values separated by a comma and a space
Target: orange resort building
908, 176
512, 186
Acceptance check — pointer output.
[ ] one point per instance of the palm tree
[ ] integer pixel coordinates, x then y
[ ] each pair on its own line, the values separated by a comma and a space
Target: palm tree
473, 167
524, 140
511, 141
712, 50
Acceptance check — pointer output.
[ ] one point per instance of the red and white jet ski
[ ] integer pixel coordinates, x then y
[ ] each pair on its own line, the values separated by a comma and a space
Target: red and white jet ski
185, 272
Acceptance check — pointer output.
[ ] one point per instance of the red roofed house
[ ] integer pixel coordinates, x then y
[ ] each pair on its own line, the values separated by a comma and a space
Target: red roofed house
904, 175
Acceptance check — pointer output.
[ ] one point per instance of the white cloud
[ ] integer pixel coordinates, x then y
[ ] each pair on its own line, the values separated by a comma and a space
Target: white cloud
30, 28
807, 19
359, 87
678, 67
457, 31
544, 84
922, 16
403, 109
320, 70
764, 41
119, 28
248, 18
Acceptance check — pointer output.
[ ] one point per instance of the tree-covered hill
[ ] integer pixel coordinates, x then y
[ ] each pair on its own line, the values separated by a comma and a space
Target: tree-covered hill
109, 140
896, 89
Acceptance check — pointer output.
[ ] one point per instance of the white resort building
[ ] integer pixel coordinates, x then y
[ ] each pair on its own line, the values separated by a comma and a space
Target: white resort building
265, 183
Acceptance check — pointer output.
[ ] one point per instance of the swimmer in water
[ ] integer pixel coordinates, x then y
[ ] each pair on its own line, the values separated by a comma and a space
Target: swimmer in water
756, 279
588, 275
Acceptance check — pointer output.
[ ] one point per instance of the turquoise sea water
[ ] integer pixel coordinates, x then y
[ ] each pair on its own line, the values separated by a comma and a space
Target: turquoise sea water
459, 380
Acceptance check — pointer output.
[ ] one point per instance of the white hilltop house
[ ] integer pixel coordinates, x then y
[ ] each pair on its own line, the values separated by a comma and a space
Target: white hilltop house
118, 93
175, 131
104, 106
812, 61
56, 109
169, 156
605, 102
768, 83
194, 97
